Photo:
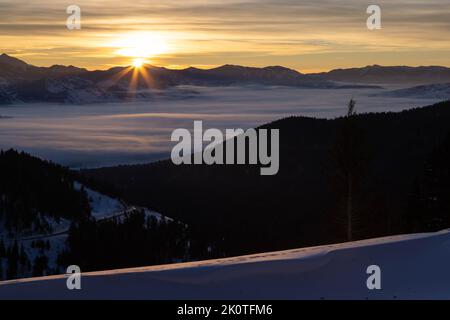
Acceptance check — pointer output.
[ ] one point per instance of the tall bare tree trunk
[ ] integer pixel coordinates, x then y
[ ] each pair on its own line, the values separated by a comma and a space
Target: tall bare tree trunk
349, 207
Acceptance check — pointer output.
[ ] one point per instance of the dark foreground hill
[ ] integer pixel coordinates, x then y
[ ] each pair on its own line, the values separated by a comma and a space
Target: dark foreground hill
304, 203
50, 219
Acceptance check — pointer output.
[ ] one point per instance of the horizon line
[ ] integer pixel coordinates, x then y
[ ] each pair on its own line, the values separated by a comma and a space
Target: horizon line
170, 67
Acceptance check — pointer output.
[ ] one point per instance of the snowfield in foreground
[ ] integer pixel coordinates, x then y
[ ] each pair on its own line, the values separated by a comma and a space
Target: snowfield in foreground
412, 267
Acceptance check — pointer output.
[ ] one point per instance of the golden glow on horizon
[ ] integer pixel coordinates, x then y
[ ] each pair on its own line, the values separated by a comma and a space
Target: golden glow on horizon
140, 45
199, 33
134, 74
138, 62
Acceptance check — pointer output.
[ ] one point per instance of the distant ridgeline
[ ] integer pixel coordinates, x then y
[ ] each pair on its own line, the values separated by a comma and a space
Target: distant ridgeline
397, 160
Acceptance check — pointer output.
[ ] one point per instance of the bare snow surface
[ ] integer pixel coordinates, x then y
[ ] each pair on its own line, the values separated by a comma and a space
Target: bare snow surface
412, 267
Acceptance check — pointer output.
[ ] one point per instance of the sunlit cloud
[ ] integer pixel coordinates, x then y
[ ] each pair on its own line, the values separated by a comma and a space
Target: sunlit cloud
304, 35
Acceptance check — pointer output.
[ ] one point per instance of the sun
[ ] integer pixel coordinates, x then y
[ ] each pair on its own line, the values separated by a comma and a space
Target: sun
139, 48
140, 45
138, 62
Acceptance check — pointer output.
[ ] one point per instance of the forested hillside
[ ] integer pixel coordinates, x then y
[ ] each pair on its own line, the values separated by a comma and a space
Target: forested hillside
31, 188
305, 203
50, 218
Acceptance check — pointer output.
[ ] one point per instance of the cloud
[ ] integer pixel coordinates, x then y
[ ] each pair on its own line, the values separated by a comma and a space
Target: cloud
213, 29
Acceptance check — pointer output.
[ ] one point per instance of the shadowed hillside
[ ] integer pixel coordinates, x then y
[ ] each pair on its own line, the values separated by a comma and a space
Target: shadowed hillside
302, 205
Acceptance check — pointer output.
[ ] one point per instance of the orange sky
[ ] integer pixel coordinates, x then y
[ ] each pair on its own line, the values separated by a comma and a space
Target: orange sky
304, 35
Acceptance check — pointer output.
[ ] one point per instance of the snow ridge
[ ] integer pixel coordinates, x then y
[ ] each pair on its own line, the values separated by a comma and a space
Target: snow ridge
412, 267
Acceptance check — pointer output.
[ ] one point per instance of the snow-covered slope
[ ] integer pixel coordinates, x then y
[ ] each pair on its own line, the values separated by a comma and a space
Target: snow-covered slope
412, 266
54, 241
104, 207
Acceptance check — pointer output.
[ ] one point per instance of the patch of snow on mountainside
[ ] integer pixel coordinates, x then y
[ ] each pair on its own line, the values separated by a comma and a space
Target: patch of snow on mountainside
102, 206
412, 267
52, 241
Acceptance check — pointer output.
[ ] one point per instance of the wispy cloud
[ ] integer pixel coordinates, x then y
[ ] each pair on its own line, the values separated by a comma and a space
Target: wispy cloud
210, 32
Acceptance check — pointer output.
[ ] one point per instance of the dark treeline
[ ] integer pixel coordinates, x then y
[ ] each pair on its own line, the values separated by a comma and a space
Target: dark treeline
34, 192
133, 240
30, 186
16, 263
429, 202
364, 167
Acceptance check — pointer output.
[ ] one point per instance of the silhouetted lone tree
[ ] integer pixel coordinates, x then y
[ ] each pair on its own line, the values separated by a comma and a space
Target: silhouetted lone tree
349, 160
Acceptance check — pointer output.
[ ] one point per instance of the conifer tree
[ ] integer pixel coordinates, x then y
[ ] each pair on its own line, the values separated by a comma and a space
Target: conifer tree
1, 268
2, 248
349, 159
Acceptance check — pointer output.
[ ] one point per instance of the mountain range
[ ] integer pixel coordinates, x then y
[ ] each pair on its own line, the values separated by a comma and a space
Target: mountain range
376, 74
21, 82
438, 91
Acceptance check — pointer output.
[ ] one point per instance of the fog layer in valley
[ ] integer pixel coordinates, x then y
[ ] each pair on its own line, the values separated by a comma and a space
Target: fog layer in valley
137, 132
